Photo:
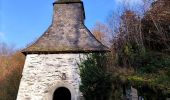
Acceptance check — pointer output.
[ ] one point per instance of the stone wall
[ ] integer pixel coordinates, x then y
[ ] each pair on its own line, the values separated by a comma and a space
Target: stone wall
42, 75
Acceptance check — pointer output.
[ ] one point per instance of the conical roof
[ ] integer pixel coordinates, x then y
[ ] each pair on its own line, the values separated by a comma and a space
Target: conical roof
67, 34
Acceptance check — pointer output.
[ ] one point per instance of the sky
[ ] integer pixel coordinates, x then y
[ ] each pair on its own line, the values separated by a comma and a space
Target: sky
23, 21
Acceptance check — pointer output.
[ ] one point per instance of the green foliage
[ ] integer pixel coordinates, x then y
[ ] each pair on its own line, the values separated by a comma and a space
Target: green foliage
150, 84
143, 61
152, 62
130, 55
96, 83
151, 71
148, 55
117, 88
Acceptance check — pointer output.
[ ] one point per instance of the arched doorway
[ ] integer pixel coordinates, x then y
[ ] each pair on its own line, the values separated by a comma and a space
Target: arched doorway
62, 93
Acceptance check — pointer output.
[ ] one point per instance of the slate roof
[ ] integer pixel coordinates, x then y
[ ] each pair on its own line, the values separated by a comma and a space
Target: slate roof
67, 34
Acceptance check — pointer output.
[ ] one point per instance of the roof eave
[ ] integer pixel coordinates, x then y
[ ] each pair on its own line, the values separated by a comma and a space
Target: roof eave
64, 52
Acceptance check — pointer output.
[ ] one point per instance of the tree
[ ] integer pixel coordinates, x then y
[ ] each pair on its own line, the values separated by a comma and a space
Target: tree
96, 83
141, 43
100, 31
155, 27
11, 64
128, 41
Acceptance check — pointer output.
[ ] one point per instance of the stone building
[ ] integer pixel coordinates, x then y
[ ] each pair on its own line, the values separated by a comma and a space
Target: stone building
51, 71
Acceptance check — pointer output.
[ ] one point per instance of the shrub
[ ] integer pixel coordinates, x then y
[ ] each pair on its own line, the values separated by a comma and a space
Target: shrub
96, 83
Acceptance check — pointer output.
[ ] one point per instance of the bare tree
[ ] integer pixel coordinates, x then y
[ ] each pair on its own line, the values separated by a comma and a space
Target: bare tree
100, 31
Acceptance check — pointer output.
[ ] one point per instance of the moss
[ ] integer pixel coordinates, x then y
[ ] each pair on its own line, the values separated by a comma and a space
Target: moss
157, 83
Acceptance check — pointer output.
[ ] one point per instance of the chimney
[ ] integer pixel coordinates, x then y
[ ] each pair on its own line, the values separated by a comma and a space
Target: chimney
68, 13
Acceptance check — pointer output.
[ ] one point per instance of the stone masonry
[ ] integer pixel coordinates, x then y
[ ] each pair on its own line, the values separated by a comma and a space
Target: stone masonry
42, 75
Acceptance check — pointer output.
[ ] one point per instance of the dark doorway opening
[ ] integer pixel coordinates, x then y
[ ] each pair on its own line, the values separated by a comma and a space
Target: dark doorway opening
62, 93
